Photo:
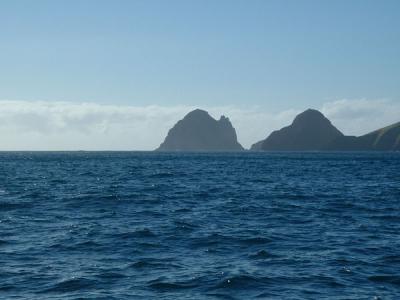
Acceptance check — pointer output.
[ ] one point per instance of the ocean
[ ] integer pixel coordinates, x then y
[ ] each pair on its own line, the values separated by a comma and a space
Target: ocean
149, 225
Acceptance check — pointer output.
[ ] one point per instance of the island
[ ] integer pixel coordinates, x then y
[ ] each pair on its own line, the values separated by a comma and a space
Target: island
312, 131
198, 131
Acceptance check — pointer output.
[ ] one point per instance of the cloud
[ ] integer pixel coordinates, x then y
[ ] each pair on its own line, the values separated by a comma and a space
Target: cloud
44, 125
358, 117
48, 125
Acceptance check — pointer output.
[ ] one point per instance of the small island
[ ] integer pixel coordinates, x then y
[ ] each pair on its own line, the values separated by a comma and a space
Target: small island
310, 131
198, 131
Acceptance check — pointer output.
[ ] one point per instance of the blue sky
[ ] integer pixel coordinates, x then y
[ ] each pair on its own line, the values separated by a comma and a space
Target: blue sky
280, 54
276, 55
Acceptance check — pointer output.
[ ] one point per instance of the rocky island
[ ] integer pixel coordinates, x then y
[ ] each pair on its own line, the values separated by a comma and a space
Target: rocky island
312, 131
198, 131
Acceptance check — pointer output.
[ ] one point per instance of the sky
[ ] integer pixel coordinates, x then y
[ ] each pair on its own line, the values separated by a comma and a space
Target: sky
116, 75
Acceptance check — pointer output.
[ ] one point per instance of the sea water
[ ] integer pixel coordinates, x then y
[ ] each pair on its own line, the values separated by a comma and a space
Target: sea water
145, 225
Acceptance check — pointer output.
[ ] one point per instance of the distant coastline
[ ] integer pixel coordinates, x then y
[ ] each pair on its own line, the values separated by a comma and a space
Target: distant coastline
309, 131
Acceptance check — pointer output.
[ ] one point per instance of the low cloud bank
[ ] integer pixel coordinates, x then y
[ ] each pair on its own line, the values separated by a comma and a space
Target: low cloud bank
47, 125
357, 117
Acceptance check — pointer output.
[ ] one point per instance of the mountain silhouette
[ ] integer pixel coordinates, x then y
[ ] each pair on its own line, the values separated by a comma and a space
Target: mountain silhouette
198, 131
310, 131
384, 139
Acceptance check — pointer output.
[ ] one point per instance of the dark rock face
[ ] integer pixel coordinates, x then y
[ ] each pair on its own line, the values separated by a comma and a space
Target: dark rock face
346, 143
198, 131
384, 139
309, 131
257, 146
387, 138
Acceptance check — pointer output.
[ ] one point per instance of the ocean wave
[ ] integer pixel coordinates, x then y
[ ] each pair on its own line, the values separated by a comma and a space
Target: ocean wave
199, 226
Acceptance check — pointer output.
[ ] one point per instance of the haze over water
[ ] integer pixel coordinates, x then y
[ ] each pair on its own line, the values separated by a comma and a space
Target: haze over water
125, 225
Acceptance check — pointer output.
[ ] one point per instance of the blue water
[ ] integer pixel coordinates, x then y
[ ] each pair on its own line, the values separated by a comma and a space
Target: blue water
199, 226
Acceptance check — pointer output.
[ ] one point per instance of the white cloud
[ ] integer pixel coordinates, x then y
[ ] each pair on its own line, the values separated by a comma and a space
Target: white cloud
71, 126
46, 125
357, 117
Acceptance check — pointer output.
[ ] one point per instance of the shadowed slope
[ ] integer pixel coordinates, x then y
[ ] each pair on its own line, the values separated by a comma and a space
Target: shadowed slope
309, 131
384, 139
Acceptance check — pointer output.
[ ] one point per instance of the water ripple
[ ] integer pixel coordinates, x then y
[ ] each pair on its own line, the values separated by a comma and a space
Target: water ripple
140, 225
